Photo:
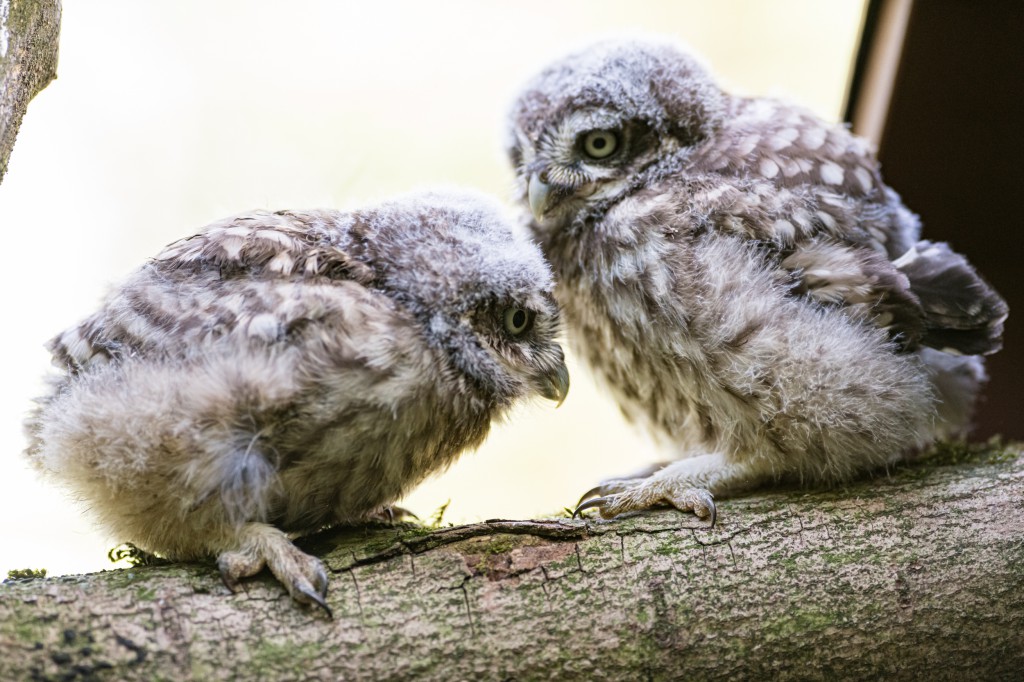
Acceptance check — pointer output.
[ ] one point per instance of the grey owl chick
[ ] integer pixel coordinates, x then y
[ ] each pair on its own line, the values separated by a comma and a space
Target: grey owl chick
279, 372
737, 273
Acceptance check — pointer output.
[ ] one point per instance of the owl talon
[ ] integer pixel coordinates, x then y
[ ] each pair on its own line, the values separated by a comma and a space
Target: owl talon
597, 502
697, 500
302, 591
704, 506
596, 491
304, 576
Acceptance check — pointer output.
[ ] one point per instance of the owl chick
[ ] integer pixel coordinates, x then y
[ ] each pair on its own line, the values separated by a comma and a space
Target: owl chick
738, 274
280, 372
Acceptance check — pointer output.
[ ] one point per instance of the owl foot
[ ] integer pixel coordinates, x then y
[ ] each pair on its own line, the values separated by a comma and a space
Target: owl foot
645, 494
304, 576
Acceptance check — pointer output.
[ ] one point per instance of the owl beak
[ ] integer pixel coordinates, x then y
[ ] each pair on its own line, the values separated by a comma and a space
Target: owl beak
555, 384
538, 192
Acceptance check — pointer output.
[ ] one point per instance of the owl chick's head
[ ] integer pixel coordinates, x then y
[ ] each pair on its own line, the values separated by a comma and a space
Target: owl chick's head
480, 290
594, 126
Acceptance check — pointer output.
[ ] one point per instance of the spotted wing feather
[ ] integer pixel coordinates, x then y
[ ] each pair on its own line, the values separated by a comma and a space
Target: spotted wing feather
963, 314
239, 275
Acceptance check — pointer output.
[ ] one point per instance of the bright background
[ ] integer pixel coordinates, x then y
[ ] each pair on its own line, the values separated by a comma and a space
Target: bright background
167, 116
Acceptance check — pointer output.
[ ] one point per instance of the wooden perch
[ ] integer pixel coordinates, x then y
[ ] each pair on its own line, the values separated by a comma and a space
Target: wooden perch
28, 62
913, 575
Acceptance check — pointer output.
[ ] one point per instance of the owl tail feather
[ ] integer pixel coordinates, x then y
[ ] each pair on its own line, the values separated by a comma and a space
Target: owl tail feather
964, 315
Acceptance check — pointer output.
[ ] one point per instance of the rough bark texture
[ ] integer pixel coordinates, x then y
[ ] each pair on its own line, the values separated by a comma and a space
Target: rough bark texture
28, 62
914, 575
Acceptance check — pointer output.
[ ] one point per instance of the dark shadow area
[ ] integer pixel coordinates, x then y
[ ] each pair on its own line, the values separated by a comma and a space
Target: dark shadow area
952, 146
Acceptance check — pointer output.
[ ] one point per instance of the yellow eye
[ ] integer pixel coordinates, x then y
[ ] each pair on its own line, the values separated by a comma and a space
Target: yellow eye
517, 321
600, 144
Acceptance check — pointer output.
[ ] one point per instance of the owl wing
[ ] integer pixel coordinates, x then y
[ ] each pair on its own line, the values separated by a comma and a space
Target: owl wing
962, 312
860, 280
795, 153
257, 276
929, 296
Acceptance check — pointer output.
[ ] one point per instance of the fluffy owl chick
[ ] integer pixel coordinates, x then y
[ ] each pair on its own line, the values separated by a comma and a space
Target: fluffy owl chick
279, 372
741, 278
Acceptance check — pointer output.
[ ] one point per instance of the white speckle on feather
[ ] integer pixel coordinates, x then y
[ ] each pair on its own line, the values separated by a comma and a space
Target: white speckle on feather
232, 246
282, 263
784, 230
826, 219
264, 326
878, 235
237, 231
812, 138
783, 139
801, 218
277, 237
907, 258
312, 264
768, 168
790, 168
747, 145
832, 173
864, 178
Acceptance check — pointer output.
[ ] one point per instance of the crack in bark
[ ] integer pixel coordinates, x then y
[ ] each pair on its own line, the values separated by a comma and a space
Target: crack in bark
545, 581
359, 595
465, 599
469, 613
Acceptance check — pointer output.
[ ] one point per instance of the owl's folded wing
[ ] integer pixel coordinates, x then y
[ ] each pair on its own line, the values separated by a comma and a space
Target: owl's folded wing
281, 244
261, 277
963, 314
931, 296
861, 280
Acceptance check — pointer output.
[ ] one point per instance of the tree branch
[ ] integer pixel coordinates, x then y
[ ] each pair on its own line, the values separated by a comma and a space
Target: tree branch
919, 573
28, 62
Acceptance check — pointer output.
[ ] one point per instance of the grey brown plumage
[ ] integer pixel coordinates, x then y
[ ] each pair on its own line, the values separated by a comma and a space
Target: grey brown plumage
282, 371
739, 275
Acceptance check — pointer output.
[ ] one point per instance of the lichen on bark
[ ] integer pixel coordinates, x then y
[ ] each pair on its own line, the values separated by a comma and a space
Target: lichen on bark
29, 31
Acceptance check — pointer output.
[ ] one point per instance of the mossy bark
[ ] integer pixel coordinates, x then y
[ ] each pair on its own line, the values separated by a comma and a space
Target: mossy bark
917, 574
28, 62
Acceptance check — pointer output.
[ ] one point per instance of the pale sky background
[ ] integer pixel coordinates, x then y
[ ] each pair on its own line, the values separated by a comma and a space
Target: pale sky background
168, 116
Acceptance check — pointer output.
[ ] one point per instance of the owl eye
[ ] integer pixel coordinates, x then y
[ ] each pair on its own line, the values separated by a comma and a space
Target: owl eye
518, 321
600, 144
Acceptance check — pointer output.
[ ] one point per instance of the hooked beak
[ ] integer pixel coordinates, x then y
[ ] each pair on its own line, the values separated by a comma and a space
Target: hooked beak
555, 384
538, 192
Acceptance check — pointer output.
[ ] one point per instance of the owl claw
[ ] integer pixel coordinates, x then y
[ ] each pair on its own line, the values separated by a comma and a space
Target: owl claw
593, 492
262, 546
306, 580
710, 505
311, 595
697, 500
590, 504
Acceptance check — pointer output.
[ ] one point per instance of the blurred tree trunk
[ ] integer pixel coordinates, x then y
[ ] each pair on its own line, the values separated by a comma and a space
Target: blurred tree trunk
28, 62
914, 575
